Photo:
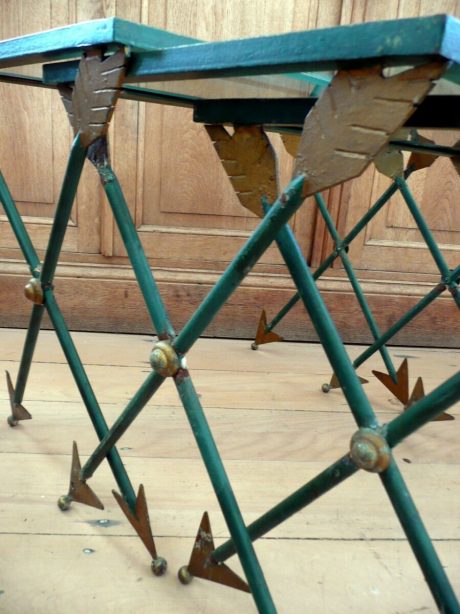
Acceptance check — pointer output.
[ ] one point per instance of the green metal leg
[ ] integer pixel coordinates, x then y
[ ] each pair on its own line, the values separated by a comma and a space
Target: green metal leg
18, 227
325, 327
136, 253
423, 228
88, 396
28, 352
385, 197
337, 473
429, 240
355, 285
64, 206
119, 427
428, 408
230, 280
63, 210
406, 318
32, 260
262, 237
391, 478
419, 540
450, 278
224, 493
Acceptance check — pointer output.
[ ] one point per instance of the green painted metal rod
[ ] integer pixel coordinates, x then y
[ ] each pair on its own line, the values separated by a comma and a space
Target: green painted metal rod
145, 279
285, 206
423, 228
28, 352
325, 328
88, 396
232, 277
63, 210
419, 540
32, 260
424, 410
151, 384
367, 217
425, 148
356, 286
315, 488
224, 492
212, 303
406, 318
18, 227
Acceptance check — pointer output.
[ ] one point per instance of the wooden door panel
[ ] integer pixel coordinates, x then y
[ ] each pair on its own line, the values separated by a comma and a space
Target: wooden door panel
36, 139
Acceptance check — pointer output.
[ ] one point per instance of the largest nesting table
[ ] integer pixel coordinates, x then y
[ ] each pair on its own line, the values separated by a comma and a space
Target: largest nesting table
381, 75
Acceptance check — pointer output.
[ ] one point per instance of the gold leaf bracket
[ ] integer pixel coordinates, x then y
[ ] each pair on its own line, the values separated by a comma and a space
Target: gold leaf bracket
91, 101
353, 120
250, 162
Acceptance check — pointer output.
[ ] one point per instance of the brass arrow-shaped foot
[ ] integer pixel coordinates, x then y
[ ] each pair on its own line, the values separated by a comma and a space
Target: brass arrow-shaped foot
141, 524
334, 383
18, 411
79, 490
202, 565
417, 394
262, 335
401, 388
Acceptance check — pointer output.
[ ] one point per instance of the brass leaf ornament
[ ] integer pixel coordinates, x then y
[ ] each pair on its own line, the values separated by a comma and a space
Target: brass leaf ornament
91, 101
250, 163
353, 120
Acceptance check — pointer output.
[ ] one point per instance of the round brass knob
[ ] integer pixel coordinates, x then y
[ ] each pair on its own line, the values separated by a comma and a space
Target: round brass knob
370, 451
164, 359
34, 291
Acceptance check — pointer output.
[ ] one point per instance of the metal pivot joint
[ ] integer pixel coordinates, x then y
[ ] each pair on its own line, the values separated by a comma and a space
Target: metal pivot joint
164, 359
34, 291
370, 451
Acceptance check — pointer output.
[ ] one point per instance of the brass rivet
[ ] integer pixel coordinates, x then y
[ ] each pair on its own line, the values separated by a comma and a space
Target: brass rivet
34, 291
164, 359
64, 503
370, 451
159, 566
184, 575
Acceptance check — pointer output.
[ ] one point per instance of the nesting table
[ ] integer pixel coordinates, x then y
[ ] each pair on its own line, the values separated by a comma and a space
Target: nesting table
378, 80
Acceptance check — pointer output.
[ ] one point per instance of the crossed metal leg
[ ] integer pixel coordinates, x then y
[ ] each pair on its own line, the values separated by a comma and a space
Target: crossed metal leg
348, 153
396, 381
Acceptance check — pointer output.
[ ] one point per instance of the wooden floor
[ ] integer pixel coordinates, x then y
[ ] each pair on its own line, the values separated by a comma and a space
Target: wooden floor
275, 430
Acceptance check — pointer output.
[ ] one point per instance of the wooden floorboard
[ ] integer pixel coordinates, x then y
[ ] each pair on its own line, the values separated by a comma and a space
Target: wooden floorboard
275, 430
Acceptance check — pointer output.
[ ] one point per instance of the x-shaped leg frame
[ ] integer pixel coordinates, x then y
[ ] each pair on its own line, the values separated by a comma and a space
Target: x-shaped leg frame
397, 381
98, 80
347, 150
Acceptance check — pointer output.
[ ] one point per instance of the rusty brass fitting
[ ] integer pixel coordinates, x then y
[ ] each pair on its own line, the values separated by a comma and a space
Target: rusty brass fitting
159, 566
164, 359
184, 575
34, 291
370, 451
12, 421
64, 503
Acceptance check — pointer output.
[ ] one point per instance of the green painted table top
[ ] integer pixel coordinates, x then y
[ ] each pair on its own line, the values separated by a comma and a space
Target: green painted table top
161, 55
